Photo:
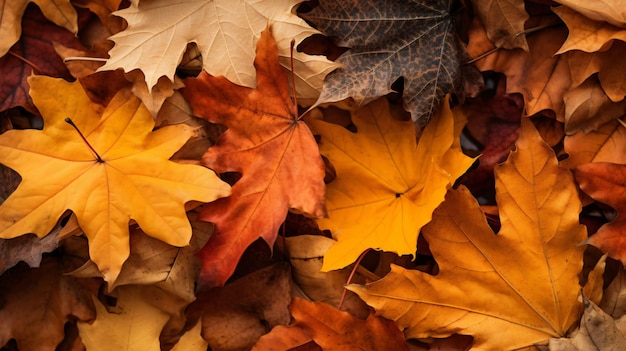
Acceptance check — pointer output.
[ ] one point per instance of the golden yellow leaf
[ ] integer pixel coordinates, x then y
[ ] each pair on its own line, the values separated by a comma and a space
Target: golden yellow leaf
387, 185
134, 324
226, 33
134, 179
60, 12
510, 290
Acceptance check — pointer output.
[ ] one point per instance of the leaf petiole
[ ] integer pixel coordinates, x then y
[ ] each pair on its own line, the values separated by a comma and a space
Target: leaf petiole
70, 122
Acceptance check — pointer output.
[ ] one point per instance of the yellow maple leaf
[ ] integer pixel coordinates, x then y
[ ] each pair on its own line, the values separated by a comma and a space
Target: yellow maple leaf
133, 180
510, 290
61, 12
226, 33
135, 322
387, 185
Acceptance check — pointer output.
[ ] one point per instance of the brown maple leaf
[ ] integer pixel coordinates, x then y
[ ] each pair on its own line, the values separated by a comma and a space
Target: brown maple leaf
270, 146
389, 40
34, 53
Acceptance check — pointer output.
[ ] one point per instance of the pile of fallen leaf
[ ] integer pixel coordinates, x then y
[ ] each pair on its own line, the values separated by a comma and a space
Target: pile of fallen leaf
322, 175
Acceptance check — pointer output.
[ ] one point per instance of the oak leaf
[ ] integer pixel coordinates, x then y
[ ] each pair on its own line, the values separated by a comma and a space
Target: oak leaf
38, 302
60, 12
226, 33
387, 185
270, 146
504, 21
133, 179
604, 182
332, 330
388, 40
476, 267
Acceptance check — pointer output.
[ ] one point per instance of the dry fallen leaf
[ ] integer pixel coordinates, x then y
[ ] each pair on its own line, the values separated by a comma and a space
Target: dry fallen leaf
273, 150
133, 178
504, 20
598, 331
479, 289
604, 182
414, 40
36, 303
61, 12
611, 11
32, 54
586, 34
387, 185
587, 107
540, 76
226, 33
332, 330
607, 144
235, 316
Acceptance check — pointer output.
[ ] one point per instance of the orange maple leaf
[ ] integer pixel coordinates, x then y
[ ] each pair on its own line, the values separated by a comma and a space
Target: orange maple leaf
604, 182
129, 178
270, 146
319, 324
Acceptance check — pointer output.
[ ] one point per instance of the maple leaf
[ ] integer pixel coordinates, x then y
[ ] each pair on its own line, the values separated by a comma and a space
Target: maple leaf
476, 267
540, 76
38, 302
332, 330
131, 178
609, 71
586, 34
270, 146
587, 107
134, 324
33, 53
504, 20
60, 12
388, 40
225, 32
387, 185
606, 144
611, 11
152, 261
604, 182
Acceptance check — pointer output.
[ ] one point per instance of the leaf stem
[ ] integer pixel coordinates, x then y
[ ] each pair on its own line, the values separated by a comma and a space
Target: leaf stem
81, 58
293, 77
356, 265
70, 122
